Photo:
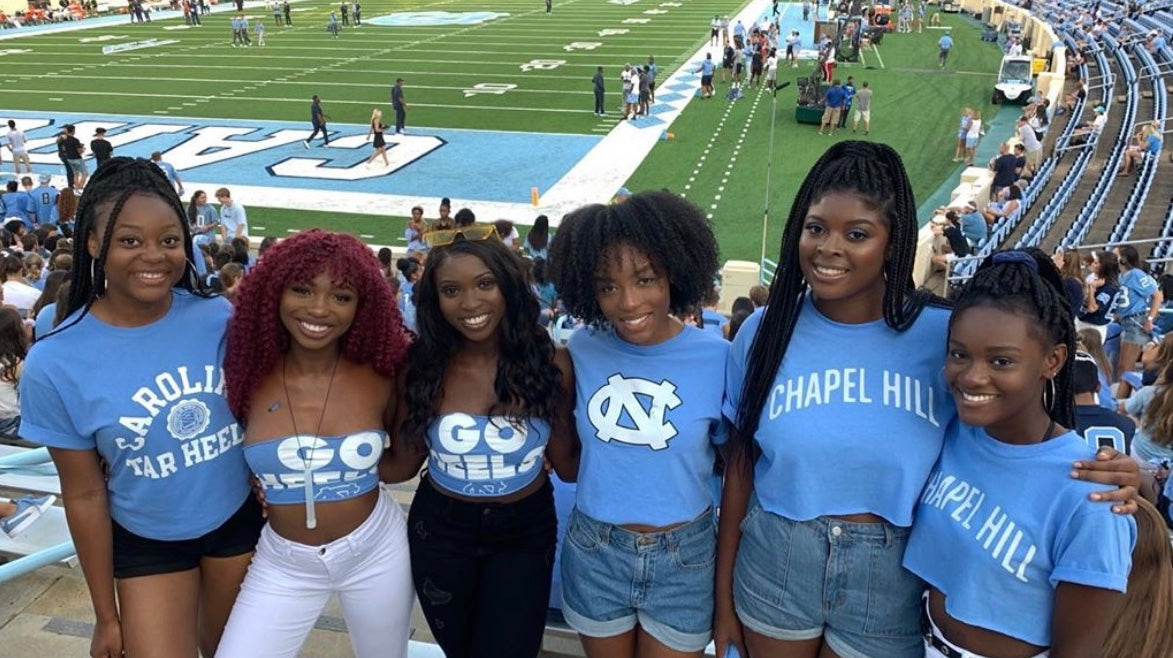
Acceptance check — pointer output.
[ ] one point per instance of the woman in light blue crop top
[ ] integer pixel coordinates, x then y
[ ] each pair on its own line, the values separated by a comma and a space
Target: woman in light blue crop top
836, 394
487, 400
314, 351
638, 553
1000, 521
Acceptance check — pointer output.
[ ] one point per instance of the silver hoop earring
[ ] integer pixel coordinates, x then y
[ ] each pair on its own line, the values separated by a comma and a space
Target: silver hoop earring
99, 286
1050, 396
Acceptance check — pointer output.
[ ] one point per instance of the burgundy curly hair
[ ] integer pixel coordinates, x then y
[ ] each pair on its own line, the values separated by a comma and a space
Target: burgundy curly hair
256, 337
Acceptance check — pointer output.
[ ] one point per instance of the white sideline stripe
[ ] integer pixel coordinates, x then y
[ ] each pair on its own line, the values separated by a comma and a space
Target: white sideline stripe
613, 160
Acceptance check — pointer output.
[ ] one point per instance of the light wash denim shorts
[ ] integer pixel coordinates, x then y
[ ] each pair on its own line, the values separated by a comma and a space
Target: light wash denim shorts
613, 579
1132, 329
799, 580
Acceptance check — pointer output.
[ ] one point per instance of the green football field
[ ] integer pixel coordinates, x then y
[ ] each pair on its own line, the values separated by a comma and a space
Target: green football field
528, 71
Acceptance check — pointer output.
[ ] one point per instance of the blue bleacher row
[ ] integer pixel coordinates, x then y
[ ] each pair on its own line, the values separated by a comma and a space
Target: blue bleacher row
1123, 50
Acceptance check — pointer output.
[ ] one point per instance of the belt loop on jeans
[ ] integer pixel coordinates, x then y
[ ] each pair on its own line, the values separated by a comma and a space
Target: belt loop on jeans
889, 535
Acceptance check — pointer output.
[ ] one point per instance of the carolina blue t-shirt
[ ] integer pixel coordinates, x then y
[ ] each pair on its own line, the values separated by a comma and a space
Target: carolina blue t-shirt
45, 204
945, 42
43, 323
151, 401
707, 67
713, 321
1136, 293
974, 227
999, 526
485, 455
1144, 447
648, 417
848, 398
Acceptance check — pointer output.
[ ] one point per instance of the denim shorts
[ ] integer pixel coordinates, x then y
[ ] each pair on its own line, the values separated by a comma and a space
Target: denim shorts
799, 580
613, 579
1132, 329
78, 166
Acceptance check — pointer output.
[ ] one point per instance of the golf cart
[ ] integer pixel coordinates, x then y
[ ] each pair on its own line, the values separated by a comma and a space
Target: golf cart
950, 6
1015, 80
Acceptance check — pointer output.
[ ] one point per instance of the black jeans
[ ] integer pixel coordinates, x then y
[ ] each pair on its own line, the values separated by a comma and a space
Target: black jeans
482, 571
599, 103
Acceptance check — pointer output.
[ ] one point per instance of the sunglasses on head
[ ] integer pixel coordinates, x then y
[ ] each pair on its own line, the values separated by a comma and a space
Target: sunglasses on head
474, 233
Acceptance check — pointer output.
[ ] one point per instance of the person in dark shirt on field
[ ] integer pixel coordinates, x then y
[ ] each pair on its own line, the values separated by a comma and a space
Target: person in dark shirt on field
599, 91
102, 149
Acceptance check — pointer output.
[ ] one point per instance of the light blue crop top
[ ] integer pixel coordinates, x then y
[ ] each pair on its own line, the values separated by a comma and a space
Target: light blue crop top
485, 455
343, 466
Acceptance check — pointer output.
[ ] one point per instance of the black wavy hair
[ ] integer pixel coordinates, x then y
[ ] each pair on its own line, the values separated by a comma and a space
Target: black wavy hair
1035, 292
673, 233
111, 185
528, 382
875, 174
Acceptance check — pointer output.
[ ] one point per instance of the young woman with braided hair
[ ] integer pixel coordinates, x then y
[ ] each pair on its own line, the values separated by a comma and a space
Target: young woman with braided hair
999, 519
128, 394
831, 447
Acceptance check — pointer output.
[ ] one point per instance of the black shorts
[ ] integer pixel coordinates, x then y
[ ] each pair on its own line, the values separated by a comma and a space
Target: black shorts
141, 556
713, 32
706, 81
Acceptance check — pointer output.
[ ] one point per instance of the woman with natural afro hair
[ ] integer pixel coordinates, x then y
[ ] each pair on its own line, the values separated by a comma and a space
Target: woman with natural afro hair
315, 350
648, 411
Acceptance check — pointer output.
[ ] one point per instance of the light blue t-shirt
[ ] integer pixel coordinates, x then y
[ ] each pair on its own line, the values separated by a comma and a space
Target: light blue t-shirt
151, 401
485, 455
707, 67
233, 216
945, 42
648, 417
848, 399
1136, 293
43, 323
1144, 447
999, 526
45, 204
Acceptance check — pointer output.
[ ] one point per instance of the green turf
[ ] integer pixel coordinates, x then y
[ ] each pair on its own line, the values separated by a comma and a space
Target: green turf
915, 106
915, 109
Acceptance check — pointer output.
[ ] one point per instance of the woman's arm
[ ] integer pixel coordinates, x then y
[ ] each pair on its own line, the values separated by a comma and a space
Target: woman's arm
83, 491
402, 460
565, 448
1081, 620
735, 494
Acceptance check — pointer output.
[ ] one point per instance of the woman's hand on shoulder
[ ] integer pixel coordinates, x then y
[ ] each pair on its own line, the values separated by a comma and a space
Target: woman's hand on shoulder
1112, 467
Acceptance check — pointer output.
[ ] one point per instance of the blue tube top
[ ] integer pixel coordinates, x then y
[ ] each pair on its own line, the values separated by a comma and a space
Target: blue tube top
485, 455
343, 467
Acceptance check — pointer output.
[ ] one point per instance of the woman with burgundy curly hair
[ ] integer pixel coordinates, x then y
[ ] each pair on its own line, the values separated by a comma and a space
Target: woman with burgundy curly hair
314, 351
488, 397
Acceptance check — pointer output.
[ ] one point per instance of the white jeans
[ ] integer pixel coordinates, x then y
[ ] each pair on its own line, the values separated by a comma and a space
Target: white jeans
288, 585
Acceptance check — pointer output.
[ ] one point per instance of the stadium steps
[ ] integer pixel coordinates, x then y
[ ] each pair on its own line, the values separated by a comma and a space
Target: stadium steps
1124, 188
1116, 132
1082, 194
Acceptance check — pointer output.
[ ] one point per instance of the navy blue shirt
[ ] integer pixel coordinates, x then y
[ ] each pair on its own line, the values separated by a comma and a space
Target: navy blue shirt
836, 96
1104, 427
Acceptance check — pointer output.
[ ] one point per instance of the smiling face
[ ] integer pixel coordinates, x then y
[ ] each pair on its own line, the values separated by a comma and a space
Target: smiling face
470, 297
145, 257
997, 366
841, 251
318, 313
635, 297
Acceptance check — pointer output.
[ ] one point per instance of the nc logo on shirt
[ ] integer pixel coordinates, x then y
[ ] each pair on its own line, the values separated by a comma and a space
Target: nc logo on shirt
622, 403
